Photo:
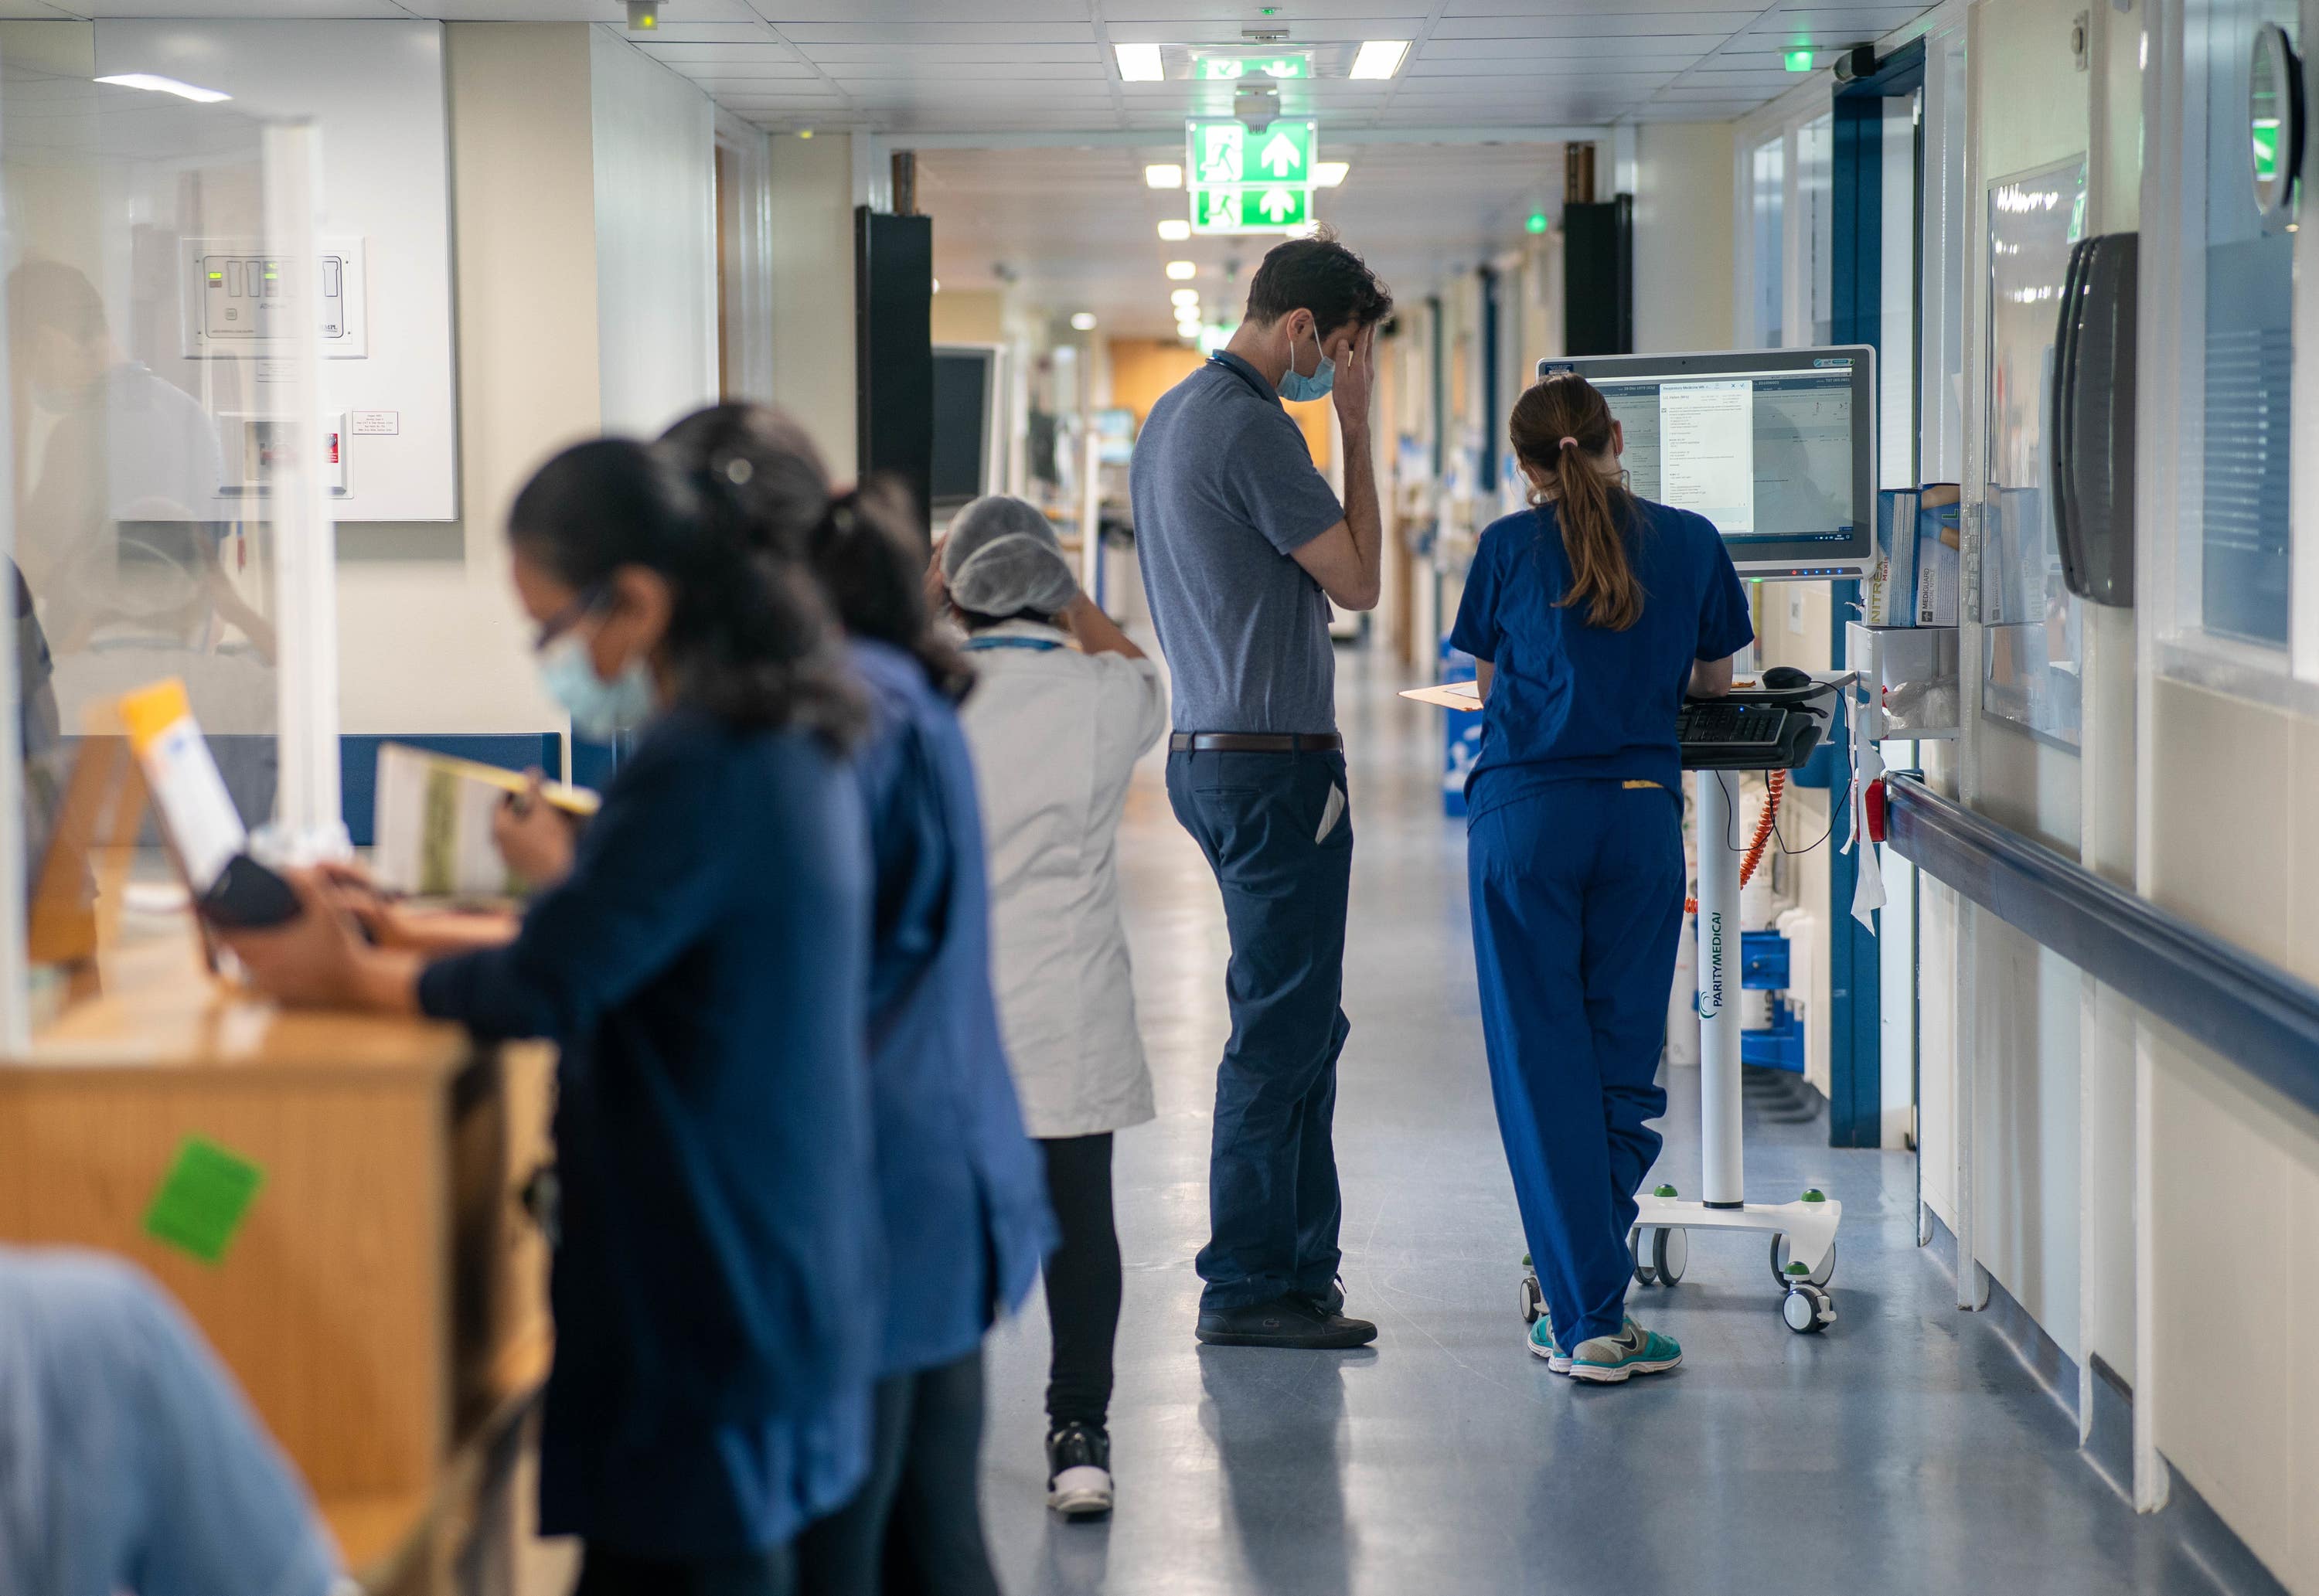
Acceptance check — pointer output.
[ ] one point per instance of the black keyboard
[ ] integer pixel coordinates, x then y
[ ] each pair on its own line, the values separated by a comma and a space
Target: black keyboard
1743, 733
1731, 726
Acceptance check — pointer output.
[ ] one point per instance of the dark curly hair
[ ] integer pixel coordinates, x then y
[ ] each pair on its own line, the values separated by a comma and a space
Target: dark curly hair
1318, 274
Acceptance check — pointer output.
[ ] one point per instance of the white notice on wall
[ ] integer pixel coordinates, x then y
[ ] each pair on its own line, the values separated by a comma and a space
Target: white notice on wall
1706, 451
378, 423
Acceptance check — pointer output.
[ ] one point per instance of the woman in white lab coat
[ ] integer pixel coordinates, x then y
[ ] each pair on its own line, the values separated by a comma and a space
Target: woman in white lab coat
1063, 706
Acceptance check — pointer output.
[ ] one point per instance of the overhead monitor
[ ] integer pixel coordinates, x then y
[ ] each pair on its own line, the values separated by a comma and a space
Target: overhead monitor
1776, 446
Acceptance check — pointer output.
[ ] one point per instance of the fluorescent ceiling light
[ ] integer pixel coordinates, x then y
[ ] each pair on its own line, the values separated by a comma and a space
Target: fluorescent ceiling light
1175, 230
166, 86
1083, 321
1184, 296
1329, 173
1379, 57
1304, 229
1181, 271
1163, 175
1187, 330
1140, 63
934, 284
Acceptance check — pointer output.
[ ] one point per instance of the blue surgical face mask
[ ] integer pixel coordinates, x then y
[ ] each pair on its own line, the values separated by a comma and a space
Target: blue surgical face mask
600, 709
1295, 386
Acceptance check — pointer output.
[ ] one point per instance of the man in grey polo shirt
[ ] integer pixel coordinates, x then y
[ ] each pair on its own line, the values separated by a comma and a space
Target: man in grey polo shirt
1243, 544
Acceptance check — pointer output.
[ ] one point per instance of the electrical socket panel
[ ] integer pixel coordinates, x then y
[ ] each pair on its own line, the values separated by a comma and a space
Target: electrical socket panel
235, 297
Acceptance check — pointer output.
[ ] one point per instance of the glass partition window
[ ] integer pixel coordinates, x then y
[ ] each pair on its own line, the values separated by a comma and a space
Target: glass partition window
157, 405
1767, 187
2030, 622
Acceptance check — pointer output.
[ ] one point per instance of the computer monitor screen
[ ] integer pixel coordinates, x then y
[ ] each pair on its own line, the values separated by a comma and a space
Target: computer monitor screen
963, 395
1776, 446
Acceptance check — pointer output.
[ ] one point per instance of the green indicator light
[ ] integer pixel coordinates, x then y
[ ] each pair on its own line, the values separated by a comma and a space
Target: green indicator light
1797, 61
217, 277
1537, 222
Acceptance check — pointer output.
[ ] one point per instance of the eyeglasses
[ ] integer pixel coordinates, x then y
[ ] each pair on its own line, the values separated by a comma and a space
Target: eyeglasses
565, 618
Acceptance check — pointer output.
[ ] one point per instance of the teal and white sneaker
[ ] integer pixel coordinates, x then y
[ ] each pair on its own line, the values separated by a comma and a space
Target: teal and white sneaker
1609, 1359
1542, 1345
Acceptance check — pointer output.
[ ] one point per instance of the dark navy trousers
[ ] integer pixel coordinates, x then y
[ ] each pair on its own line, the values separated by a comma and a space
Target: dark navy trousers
1577, 900
1282, 851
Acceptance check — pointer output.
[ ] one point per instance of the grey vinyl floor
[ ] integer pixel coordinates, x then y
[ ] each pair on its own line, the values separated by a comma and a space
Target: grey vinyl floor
1907, 1449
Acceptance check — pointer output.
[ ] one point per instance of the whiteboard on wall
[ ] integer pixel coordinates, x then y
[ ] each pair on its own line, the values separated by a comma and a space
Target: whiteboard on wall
376, 91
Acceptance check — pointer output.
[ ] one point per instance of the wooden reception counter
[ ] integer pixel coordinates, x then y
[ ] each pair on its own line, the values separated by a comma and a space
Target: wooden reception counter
383, 1297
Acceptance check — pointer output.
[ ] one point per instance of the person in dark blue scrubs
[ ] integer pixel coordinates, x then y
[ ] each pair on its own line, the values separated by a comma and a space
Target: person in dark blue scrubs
1591, 614
962, 1189
703, 970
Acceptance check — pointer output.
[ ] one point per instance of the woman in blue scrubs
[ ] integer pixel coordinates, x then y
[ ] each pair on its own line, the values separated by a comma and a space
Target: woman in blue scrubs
962, 1191
1591, 614
703, 970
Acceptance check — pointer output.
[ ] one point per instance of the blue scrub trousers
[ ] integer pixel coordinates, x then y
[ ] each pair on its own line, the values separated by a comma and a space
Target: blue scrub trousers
1273, 1202
1577, 899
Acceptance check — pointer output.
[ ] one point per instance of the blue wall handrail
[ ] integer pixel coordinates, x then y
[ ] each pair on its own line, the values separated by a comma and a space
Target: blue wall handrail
2253, 1013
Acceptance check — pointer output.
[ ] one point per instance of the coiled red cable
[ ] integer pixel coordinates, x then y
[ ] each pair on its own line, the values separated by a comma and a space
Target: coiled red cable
1763, 824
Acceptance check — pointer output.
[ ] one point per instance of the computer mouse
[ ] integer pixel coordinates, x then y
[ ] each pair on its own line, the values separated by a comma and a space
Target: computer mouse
1786, 678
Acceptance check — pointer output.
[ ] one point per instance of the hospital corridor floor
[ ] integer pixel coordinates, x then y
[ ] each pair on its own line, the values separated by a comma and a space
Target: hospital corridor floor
1907, 1449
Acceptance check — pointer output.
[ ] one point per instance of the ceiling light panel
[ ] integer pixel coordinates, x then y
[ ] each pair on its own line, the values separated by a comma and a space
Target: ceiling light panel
1163, 175
1175, 230
1140, 63
1379, 57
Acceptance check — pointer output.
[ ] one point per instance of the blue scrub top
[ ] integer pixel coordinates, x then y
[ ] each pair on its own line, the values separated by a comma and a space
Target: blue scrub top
963, 1191
1572, 701
703, 970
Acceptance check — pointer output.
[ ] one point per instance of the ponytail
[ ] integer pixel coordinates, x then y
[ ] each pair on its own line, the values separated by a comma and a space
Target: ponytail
1561, 429
866, 548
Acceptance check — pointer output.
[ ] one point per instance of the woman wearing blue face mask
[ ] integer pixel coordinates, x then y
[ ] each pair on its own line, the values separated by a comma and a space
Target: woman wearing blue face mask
703, 968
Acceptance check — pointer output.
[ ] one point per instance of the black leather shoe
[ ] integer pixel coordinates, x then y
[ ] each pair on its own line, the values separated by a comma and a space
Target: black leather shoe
1306, 1322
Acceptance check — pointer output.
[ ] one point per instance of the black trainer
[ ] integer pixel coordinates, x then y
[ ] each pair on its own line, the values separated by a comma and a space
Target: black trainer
1078, 1471
1291, 1321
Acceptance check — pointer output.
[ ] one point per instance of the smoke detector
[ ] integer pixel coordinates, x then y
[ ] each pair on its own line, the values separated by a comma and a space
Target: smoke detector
1255, 105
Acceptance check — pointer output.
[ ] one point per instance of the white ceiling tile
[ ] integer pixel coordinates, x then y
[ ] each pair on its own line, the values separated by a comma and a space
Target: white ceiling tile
1588, 45
780, 11
1085, 52
1547, 69
1657, 18
760, 51
949, 32
1292, 17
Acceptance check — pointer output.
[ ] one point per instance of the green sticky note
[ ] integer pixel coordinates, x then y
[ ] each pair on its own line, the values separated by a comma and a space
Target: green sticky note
204, 1199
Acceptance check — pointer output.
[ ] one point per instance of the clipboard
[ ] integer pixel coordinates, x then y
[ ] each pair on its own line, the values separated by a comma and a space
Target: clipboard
1464, 696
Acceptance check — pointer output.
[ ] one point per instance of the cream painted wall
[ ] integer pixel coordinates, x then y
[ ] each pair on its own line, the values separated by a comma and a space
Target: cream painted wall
2235, 1170
429, 636
654, 139
813, 291
969, 316
1684, 234
2028, 108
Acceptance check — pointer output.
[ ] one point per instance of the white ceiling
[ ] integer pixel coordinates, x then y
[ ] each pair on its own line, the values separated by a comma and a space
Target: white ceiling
1011, 66
1074, 224
1079, 230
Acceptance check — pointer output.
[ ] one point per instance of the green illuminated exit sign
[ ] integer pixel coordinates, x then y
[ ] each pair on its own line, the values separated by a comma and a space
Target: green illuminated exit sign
1241, 180
1231, 68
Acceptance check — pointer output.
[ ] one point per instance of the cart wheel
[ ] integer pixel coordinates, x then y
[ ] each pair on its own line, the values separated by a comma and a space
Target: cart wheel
1670, 1253
1820, 1276
1644, 1274
1808, 1310
1533, 1301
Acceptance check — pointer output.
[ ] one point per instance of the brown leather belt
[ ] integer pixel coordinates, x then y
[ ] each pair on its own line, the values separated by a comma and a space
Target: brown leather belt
1254, 743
